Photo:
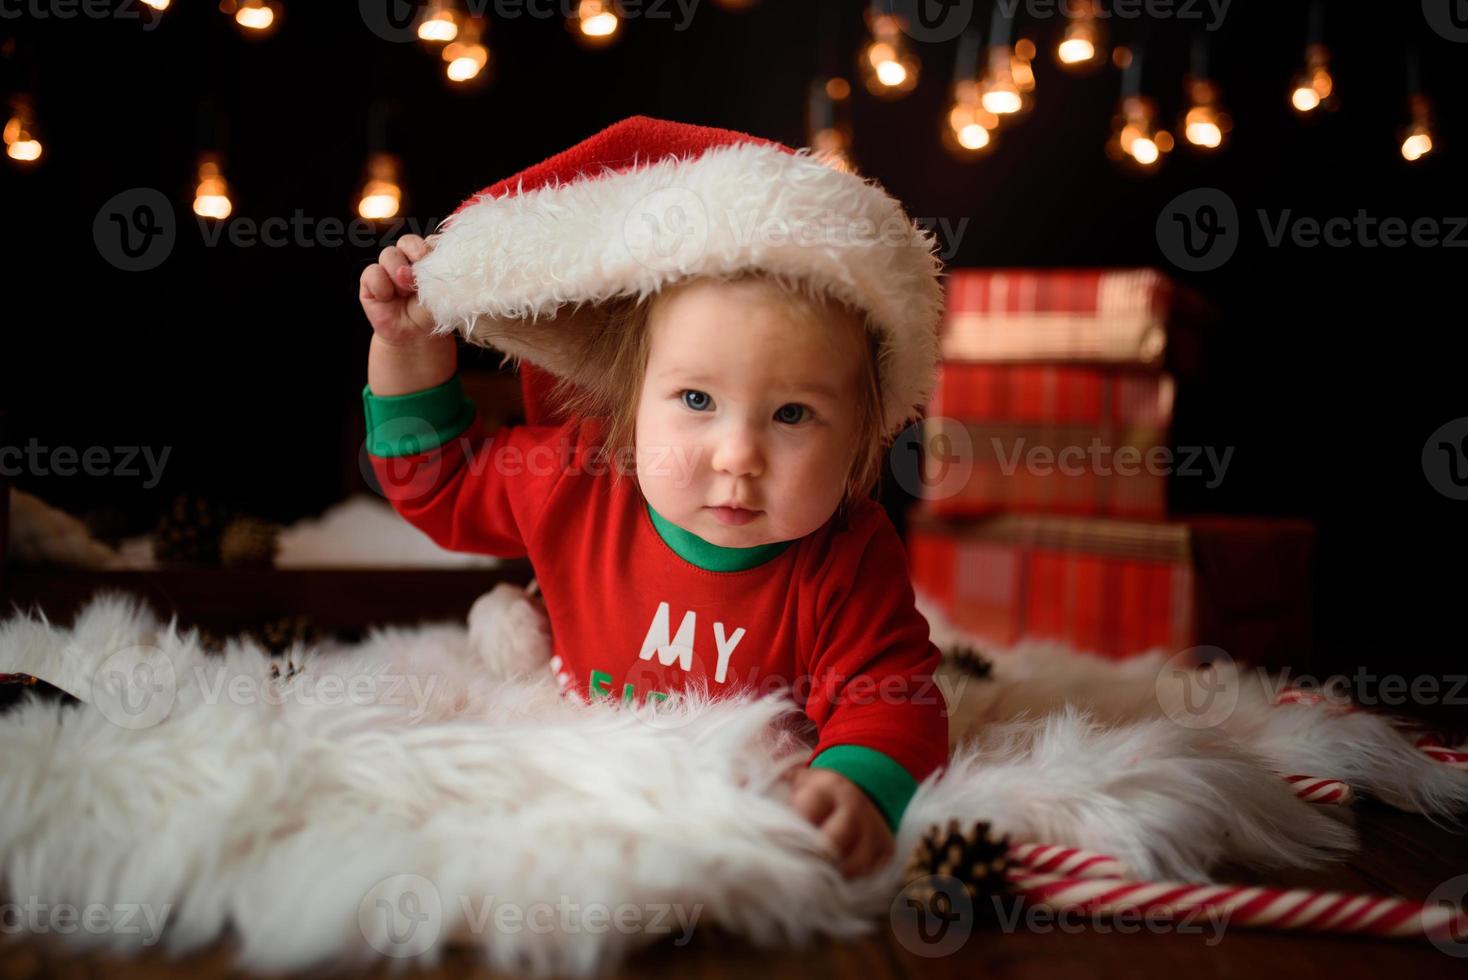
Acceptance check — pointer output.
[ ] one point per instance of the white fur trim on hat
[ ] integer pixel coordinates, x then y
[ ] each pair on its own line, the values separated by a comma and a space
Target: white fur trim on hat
508, 272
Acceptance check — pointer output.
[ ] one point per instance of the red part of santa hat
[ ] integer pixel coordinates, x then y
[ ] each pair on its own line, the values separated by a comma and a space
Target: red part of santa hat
523, 264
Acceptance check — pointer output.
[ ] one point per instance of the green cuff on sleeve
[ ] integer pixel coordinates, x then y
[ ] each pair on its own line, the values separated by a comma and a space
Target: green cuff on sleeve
889, 785
403, 425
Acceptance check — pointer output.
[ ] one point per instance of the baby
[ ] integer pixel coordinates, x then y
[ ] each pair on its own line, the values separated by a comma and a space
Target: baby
702, 519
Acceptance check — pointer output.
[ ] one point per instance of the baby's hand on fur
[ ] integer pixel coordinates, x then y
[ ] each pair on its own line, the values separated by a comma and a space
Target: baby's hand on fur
846, 815
389, 294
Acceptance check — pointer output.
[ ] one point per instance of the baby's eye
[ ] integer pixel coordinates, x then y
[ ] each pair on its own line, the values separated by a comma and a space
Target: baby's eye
784, 414
696, 400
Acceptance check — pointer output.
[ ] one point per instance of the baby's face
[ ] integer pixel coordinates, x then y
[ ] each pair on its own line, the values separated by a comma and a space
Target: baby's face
745, 400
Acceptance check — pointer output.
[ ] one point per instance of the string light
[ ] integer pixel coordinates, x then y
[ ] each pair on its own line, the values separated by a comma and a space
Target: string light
1417, 140
827, 134
211, 193
889, 69
1204, 123
21, 142
968, 127
381, 195
256, 17
1002, 90
1022, 65
467, 56
1135, 137
438, 23
1313, 85
1080, 46
595, 22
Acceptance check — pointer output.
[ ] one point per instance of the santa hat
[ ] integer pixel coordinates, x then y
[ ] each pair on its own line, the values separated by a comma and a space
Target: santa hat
523, 265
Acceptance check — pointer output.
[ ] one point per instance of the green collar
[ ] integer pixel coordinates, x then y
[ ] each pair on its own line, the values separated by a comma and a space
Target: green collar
711, 557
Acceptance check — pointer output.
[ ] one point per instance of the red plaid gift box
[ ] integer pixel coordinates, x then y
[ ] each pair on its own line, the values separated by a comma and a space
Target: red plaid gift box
1047, 438
1108, 316
1119, 588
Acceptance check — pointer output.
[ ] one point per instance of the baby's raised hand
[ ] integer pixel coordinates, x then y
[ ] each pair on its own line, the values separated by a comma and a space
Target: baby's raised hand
846, 815
389, 294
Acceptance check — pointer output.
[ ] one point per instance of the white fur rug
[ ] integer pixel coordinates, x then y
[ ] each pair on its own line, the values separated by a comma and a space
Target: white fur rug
430, 786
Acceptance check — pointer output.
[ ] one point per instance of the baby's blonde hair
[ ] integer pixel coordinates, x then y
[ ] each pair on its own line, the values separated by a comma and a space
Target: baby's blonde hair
623, 347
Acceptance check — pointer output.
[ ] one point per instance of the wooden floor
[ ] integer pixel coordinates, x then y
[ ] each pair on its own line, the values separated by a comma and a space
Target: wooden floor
1403, 855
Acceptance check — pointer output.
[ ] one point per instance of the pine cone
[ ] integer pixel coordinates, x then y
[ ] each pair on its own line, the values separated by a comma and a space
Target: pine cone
969, 660
274, 636
189, 533
249, 542
279, 635
973, 859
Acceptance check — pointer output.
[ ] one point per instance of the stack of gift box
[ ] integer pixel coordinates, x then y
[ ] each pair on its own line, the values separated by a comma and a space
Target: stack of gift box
1048, 457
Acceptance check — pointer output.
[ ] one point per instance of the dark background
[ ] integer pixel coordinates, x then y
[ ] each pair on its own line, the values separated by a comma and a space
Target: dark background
1331, 368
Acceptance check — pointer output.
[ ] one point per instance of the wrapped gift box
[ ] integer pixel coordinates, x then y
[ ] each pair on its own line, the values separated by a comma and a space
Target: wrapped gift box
1119, 588
1134, 317
1047, 438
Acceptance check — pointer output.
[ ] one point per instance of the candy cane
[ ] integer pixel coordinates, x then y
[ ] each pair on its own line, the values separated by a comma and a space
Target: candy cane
1435, 746
1072, 861
1249, 906
1313, 789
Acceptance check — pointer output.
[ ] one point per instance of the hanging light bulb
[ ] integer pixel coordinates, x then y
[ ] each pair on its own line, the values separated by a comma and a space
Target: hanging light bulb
828, 136
211, 193
1080, 46
21, 142
1417, 138
1204, 123
595, 23
438, 23
257, 17
1022, 65
1418, 141
158, 5
889, 69
968, 129
1001, 90
1313, 85
467, 56
381, 195
1135, 137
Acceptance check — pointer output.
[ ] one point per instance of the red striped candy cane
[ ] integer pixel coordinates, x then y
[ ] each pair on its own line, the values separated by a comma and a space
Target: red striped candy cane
1435, 746
1072, 861
1249, 906
1314, 789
